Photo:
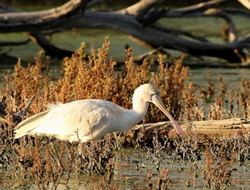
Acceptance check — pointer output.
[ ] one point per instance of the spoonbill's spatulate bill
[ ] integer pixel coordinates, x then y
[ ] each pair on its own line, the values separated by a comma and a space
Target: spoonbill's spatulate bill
91, 119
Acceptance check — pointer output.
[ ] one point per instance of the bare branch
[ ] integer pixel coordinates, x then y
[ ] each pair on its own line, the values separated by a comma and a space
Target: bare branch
140, 58
19, 19
10, 43
50, 49
40, 39
28, 106
93, 3
245, 3
139, 7
194, 9
174, 31
138, 20
150, 17
237, 12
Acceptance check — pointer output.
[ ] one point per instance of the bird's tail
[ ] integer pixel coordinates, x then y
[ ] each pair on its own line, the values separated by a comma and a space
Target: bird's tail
29, 124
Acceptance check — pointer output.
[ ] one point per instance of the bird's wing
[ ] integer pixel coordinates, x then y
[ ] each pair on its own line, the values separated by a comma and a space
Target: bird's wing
29, 124
82, 117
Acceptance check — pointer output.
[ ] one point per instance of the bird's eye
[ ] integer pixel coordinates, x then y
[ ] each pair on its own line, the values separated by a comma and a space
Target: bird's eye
151, 96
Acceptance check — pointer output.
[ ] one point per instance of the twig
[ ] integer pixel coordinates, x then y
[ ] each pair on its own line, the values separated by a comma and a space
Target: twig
28, 106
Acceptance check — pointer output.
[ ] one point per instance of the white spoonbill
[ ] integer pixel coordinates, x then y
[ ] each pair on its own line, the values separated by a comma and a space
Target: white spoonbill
91, 119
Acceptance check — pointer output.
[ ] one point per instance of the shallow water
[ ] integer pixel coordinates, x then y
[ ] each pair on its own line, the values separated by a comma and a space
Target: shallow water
132, 167
231, 77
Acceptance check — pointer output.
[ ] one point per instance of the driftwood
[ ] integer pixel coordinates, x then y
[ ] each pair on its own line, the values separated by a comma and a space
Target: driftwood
138, 20
205, 129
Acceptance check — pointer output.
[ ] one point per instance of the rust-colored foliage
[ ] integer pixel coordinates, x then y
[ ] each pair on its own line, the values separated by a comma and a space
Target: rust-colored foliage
95, 78
218, 170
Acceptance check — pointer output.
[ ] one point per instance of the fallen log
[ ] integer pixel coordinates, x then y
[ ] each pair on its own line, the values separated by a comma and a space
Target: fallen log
205, 129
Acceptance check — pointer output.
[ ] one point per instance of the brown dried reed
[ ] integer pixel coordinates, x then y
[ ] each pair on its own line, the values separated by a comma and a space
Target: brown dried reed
186, 147
95, 78
218, 170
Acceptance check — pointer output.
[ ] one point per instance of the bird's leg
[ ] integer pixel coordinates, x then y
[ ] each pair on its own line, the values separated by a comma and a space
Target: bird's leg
143, 124
58, 160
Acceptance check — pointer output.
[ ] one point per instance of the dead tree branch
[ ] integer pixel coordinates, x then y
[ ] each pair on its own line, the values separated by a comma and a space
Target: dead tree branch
245, 3
138, 21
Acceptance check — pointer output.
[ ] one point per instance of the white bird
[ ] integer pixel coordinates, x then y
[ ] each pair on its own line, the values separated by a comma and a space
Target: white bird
86, 120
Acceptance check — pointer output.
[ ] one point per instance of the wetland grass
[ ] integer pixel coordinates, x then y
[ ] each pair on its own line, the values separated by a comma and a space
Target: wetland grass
48, 162
217, 171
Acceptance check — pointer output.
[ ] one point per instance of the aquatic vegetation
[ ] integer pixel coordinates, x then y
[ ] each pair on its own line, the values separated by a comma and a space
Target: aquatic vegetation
163, 181
186, 147
236, 146
217, 172
94, 157
61, 159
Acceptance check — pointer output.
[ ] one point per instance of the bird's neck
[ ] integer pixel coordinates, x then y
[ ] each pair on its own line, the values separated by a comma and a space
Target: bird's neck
130, 118
140, 108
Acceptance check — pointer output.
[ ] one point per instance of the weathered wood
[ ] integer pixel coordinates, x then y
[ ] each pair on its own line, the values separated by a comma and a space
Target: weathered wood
39, 38
138, 20
139, 7
66, 10
245, 3
157, 38
49, 48
177, 32
204, 129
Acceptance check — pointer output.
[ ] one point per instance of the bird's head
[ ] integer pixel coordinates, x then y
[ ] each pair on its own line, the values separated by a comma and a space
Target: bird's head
150, 93
147, 92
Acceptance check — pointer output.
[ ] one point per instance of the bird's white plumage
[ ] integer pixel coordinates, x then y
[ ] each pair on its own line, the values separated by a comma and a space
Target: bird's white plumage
90, 119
